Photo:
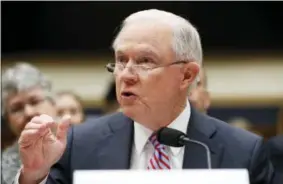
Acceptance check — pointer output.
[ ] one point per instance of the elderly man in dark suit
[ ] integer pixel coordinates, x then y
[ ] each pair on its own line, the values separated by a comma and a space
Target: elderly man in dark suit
157, 58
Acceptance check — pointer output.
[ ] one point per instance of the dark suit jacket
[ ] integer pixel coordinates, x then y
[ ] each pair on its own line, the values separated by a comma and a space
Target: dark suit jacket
275, 148
107, 143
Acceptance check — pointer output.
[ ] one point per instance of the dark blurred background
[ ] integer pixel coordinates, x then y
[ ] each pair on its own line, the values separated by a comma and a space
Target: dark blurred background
90, 26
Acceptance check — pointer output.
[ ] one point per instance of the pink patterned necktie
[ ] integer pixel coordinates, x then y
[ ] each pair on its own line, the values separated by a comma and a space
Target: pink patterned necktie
159, 159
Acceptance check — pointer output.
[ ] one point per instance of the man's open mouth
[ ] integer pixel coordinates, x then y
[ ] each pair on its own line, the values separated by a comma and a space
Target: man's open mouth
128, 94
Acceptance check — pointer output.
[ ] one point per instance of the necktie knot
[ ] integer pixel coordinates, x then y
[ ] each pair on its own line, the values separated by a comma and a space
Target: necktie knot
153, 140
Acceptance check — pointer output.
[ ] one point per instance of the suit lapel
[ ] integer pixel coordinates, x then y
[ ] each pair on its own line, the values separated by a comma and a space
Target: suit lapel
115, 152
200, 129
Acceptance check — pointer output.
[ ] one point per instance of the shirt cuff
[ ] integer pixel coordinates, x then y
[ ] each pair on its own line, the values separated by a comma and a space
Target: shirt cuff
16, 180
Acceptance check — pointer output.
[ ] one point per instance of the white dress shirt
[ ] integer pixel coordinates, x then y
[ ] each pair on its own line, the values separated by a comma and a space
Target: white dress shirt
142, 150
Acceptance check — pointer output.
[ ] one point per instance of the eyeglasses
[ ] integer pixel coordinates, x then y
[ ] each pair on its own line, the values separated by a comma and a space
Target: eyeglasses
116, 68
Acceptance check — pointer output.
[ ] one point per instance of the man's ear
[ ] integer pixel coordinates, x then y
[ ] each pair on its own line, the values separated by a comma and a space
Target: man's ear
191, 71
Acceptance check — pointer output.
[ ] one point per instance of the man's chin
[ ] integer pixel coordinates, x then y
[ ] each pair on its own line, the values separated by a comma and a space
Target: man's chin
129, 111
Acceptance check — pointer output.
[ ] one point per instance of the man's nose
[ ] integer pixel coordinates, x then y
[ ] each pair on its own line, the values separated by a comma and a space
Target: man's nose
129, 75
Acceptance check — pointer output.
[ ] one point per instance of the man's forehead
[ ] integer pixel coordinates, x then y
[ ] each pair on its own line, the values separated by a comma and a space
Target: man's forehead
140, 48
148, 39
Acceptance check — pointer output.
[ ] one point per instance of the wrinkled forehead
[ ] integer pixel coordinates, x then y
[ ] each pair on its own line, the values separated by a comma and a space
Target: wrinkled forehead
144, 37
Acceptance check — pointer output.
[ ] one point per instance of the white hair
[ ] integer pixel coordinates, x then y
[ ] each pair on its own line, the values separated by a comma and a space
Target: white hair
186, 41
23, 76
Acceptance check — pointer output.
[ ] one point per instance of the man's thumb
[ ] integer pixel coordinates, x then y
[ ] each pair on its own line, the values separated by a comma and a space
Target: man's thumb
62, 129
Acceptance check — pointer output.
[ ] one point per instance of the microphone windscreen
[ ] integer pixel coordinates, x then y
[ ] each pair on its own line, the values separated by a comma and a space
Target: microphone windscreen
170, 137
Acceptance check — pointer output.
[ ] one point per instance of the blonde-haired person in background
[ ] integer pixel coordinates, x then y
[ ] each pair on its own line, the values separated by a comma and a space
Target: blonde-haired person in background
241, 122
69, 103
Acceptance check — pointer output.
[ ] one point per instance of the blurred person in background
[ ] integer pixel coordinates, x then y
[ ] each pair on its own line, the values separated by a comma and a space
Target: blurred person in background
240, 122
157, 60
26, 93
69, 103
7, 136
111, 103
243, 123
199, 96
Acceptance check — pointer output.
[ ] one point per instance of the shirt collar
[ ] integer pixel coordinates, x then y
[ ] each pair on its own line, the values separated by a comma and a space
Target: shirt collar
142, 133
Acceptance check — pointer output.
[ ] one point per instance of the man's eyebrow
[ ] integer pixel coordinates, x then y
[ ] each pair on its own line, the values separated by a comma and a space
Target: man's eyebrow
119, 52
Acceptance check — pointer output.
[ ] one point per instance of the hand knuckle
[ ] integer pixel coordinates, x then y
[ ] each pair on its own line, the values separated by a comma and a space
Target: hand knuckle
34, 119
46, 119
28, 125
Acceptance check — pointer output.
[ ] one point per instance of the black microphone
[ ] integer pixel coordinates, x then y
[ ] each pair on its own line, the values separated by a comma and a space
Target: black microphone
176, 138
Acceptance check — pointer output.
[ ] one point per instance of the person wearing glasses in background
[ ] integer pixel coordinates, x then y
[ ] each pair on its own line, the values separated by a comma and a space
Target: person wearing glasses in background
157, 59
199, 96
26, 93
